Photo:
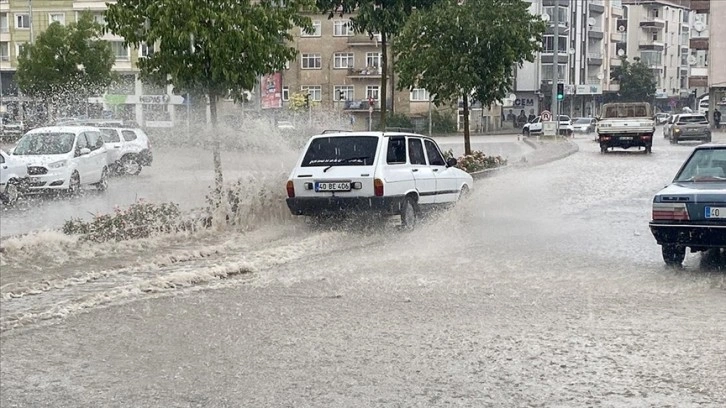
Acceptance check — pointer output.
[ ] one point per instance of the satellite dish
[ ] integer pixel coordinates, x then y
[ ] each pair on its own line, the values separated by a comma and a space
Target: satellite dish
621, 52
600, 76
692, 60
621, 28
591, 21
572, 51
545, 17
699, 26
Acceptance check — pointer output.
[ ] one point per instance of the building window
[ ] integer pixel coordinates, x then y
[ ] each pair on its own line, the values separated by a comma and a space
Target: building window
99, 18
57, 18
22, 21
373, 92
347, 93
341, 28
315, 91
18, 48
344, 60
311, 61
550, 11
317, 30
548, 44
285, 93
145, 50
120, 51
4, 51
547, 72
4, 28
419, 95
373, 59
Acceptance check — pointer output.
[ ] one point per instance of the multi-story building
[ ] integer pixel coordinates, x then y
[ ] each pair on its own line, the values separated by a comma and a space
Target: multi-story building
717, 63
699, 46
585, 52
658, 33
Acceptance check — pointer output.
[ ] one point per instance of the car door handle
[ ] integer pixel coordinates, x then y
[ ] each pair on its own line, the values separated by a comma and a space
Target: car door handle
117, 147
414, 170
436, 169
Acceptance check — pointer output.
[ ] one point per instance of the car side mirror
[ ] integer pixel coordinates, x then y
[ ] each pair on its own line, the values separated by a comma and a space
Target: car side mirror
451, 162
84, 151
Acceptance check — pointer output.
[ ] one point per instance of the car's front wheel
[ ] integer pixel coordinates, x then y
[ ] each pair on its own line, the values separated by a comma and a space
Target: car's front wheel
130, 165
74, 185
408, 214
673, 255
11, 193
525, 132
102, 185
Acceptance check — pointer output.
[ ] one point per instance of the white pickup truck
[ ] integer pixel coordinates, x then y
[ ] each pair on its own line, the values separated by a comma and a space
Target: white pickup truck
626, 125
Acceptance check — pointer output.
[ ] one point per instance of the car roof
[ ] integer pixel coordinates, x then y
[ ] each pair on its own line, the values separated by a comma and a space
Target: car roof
690, 114
368, 133
711, 145
64, 129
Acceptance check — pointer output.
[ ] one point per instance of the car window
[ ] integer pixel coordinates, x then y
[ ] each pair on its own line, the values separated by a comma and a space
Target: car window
416, 151
81, 142
396, 152
110, 135
95, 141
433, 153
129, 135
692, 119
704, 165
341, 151
2, 159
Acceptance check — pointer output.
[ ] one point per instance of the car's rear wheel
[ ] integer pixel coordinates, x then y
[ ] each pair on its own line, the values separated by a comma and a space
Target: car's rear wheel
130, 165
409, 215
648, 149
103, 184
673, 255
525, 132
464, 193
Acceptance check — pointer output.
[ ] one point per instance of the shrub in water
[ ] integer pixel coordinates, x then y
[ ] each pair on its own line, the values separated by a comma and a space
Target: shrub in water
476, 161
140, 220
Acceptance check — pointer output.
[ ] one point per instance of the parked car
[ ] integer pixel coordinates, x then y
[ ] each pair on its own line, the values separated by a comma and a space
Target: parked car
661, 118
13, 177
128, 149
690, 126
386, 173
536, 126
691, 212
584, 125
668, 126
63, 158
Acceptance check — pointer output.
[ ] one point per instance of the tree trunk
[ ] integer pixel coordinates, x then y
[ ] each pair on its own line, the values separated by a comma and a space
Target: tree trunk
384, 79
467, 142
216, 155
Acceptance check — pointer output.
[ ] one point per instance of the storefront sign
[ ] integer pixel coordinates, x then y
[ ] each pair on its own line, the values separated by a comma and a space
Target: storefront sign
271, 86
523, 102
154, 99
588, 89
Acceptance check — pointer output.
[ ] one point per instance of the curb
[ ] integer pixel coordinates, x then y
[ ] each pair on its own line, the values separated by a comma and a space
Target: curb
571, 149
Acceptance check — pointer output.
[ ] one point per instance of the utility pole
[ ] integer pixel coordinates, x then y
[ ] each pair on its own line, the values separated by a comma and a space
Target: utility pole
30, 20
556, 62
430, 116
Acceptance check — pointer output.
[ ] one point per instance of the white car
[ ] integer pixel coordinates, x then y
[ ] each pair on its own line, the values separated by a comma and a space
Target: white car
584, 125
536, 126
63, 158
13, 177
386, 173
128, 149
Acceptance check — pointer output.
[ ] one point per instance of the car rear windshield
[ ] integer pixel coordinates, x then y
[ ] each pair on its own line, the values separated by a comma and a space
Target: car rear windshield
626, 111
583, 121
692, 119
341, 151
705, 165
45, 143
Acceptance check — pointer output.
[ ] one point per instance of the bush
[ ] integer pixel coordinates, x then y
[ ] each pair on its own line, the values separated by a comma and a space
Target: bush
442, 123
397, 120
140, 220
476, 161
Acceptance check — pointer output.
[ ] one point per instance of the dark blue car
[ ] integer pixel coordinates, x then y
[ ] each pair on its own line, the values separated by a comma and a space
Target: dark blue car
691, 212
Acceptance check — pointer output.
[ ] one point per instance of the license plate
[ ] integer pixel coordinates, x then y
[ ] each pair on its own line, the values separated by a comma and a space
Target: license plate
333, 186
626, 138
715, 212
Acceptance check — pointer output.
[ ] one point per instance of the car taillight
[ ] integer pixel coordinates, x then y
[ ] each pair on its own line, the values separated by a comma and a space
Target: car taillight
378, 187
671, 212
290, 189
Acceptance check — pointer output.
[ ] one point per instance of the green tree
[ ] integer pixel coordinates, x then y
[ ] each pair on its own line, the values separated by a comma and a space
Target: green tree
468, 51
66, 64
213, 48
384, 17
636, 79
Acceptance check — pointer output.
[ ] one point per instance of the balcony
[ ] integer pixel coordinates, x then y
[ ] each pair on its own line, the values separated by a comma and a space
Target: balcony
697, 82
595, 32
365, 73
597, 6
594, 58
651, 45
652, 24
364, 40
699, 43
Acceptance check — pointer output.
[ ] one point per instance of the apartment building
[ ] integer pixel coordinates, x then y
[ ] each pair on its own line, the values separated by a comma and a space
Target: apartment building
658, 32
717, 59
585, 53
21, 21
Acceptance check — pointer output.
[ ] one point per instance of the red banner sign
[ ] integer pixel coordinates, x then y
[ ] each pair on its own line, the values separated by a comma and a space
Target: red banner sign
271, 91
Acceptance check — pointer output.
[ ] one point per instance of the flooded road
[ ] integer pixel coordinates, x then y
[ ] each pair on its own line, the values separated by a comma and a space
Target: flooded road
545, 288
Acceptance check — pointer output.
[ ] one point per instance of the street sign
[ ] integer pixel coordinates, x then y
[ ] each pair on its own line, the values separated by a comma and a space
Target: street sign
546, 116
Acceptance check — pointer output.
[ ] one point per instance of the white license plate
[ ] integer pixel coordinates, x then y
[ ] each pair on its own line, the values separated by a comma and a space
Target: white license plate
333, 186
626, 138
715, 212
